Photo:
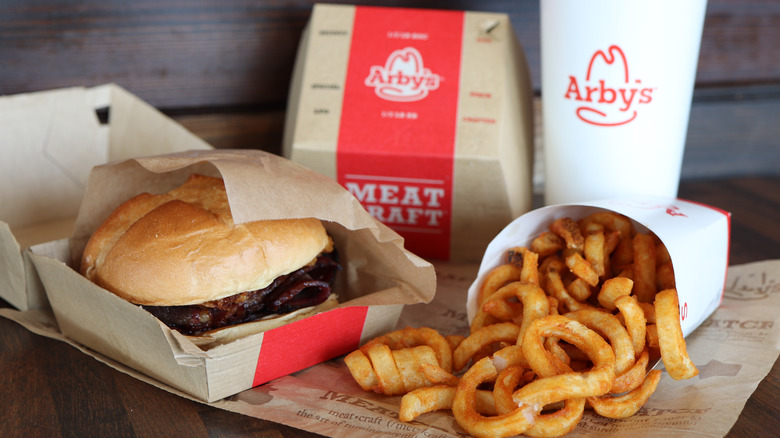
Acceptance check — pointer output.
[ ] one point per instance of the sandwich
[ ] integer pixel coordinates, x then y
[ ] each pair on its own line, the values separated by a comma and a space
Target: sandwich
180, 256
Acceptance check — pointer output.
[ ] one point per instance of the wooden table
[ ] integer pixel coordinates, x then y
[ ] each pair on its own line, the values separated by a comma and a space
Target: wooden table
222, 69
48, 388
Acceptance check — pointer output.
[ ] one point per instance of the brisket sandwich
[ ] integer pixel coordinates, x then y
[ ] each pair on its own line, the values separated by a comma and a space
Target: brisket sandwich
180, 256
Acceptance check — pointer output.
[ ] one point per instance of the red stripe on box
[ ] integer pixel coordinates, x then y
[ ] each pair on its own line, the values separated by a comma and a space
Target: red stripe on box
396, 140
310, 341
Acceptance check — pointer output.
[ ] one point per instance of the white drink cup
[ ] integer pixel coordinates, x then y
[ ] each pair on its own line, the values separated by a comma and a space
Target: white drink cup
617, 80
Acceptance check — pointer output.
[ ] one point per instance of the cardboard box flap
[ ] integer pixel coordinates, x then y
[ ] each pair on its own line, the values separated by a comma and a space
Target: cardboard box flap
184, 351
105, 323
138, 129
62, 134
12, 281
50, 141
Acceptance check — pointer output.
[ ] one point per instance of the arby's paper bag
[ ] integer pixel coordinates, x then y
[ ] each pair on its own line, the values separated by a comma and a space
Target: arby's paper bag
378, 276
424, 115
695, 235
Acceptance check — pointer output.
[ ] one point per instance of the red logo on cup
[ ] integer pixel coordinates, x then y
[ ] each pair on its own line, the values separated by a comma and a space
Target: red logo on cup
608, 94
403, 78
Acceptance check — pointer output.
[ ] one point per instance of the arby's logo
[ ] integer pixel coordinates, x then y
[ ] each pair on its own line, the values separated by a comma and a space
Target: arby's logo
403, 78
608, 95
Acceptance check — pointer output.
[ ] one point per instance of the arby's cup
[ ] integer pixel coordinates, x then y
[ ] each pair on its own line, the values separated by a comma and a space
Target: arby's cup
617, 82
696, 236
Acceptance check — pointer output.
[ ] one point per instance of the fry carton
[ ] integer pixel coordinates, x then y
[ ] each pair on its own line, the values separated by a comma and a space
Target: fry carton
695, 235
50, 140
424, 115
377, 279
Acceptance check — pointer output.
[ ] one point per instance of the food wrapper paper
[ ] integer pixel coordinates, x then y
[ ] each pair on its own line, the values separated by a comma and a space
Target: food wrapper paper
262, 186
735, 348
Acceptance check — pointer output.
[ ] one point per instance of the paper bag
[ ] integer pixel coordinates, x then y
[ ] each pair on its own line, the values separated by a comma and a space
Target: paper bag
424, 115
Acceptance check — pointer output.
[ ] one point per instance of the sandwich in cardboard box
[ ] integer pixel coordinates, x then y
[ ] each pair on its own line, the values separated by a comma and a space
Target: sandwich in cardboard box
378, 276
53, 139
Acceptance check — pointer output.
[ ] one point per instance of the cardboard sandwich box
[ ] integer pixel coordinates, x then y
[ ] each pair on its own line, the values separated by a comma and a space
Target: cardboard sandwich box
424, 115
377, 277
68, 192
49, 141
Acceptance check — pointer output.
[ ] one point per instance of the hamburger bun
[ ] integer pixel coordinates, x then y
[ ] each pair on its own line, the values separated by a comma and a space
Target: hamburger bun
183, 248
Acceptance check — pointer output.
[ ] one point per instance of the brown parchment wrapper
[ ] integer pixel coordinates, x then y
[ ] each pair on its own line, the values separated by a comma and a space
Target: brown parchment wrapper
263, 186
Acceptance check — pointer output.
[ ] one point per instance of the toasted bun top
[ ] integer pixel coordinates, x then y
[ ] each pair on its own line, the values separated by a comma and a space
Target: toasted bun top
183, 247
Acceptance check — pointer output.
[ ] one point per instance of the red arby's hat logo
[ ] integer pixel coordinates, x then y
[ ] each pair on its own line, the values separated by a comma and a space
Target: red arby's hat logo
609, 96
403, 78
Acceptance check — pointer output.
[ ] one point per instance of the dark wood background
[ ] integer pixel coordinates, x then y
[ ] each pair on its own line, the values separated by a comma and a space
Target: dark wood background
222, 67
